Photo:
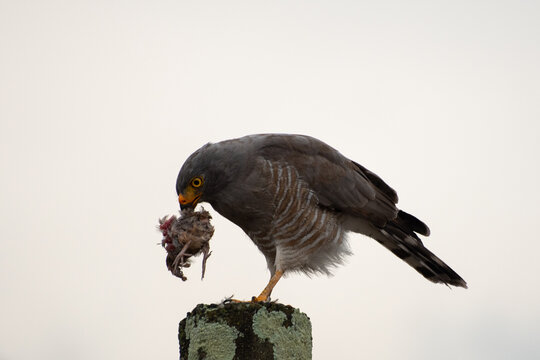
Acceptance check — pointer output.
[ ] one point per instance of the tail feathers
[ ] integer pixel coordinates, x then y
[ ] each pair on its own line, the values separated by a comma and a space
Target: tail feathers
408, 221
407, 246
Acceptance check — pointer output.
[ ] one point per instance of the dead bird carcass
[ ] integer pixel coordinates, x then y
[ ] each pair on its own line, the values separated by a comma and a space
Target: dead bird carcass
184, 237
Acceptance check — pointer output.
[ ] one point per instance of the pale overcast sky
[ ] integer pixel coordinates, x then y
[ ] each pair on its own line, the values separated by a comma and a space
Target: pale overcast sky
102, 101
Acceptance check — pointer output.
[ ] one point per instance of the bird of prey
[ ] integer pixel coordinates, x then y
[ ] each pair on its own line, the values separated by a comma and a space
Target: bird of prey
297, 198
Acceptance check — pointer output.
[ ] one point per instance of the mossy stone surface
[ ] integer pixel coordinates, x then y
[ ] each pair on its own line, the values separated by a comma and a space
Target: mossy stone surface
265, 331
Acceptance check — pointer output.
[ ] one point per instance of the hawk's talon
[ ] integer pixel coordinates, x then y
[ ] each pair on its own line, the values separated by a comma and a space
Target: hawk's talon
254, 299
260, 299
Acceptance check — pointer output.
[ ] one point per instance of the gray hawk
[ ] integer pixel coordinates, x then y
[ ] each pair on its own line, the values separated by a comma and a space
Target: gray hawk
297, 198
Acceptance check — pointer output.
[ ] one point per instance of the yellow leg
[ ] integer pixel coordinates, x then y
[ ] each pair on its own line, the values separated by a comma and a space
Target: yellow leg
265, 294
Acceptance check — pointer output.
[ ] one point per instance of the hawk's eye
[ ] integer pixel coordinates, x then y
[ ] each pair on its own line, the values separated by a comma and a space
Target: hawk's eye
196, 182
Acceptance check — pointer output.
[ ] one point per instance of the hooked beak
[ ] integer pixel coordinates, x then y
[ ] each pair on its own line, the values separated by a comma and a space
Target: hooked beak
188, 200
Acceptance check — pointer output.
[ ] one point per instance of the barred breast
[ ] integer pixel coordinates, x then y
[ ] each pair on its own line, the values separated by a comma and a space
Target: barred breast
303, 236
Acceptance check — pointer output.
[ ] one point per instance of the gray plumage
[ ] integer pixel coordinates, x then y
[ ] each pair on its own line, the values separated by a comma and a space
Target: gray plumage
297, 198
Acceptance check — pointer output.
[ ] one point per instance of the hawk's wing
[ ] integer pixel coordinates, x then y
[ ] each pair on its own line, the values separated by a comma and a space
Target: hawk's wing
339, 183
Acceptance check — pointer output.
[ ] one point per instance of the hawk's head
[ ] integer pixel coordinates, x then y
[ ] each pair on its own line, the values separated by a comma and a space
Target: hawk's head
206, 173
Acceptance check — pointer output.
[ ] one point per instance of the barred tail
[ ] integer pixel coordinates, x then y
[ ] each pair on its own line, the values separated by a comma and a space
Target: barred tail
399, 237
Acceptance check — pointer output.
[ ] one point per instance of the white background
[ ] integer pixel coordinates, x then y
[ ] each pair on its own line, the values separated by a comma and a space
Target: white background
102, 101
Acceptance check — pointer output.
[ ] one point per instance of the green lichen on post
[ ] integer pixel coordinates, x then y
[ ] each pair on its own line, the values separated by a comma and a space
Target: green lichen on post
245, 331
210, 341
290, 342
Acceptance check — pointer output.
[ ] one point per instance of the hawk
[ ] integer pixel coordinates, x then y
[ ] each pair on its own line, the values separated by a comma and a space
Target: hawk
297, 198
